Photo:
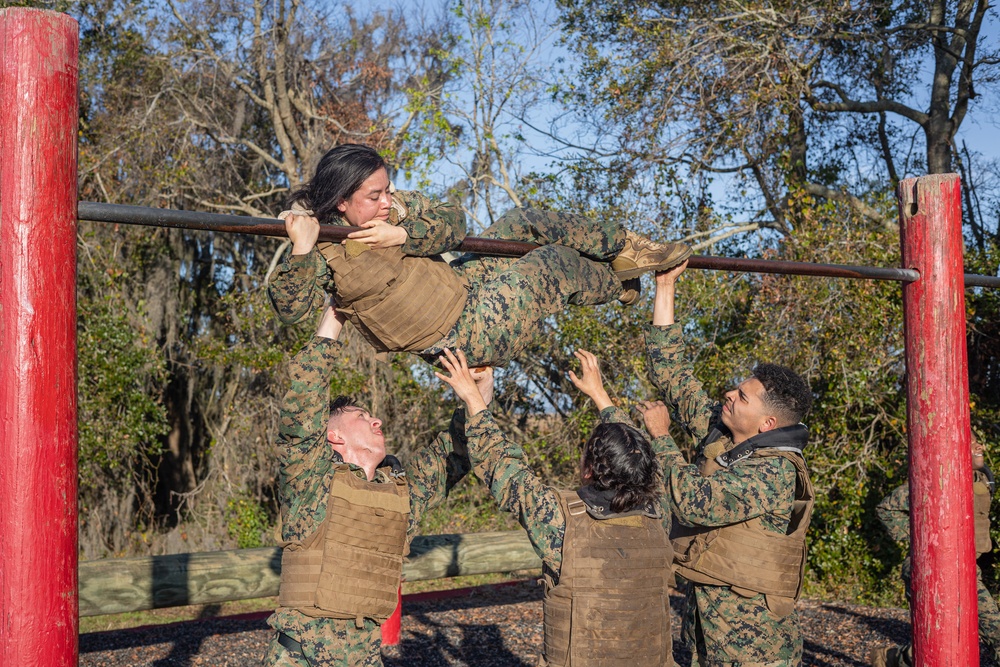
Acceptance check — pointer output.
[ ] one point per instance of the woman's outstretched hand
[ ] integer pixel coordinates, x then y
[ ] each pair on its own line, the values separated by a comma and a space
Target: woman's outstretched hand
590, 382
302, 229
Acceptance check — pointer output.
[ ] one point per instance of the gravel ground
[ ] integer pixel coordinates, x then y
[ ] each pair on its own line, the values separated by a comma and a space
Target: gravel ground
490, 626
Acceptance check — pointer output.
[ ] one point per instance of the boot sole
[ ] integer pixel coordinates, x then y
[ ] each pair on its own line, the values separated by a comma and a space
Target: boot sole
663, 266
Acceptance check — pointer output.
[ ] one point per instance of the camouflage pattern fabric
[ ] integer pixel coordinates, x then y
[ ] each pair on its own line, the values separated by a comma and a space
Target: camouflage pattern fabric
433, 226
894, 513
502, 467
329, 642
306, 469
721, 627
301, 283
510, 298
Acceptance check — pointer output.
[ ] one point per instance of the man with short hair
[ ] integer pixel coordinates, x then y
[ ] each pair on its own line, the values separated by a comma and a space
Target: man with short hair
348, 512
742, 509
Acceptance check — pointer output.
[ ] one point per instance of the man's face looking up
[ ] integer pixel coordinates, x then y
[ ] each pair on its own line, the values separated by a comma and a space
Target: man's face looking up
358, 437
744, 411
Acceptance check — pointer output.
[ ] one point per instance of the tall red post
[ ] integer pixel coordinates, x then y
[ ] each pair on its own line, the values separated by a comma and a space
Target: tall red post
38, 435
944, 605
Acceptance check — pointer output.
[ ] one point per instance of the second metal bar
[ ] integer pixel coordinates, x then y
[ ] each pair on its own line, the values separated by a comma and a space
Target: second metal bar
160, 217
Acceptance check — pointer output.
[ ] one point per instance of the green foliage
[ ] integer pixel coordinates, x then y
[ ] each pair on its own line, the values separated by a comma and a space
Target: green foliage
247, 521
846, 337
122, 419
469, 508
120, 422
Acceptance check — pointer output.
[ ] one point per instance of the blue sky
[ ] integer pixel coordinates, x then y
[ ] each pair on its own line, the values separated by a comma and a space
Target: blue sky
980, 130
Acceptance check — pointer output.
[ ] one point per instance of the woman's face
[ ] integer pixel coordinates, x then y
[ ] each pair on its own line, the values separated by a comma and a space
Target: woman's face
371, 201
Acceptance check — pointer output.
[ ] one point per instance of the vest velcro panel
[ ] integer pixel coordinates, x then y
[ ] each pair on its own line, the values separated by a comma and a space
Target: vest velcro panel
397, 302
747, 556
351, 567
751, 557
611, 605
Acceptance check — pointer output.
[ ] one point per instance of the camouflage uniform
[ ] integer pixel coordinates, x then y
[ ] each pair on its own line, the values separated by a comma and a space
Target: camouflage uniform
501, 465
721, 627
894, 513
301, 283
509, 298
306, 472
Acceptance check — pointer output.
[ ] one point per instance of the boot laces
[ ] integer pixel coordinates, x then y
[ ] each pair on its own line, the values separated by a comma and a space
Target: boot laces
640, 241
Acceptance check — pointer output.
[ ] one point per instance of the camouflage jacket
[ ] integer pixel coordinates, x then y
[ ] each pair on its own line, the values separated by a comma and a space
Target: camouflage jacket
502, 466
725, 627
763, 487
894, 510
300, 283
306, 460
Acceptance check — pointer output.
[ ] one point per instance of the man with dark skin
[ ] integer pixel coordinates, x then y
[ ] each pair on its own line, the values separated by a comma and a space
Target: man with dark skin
741, 509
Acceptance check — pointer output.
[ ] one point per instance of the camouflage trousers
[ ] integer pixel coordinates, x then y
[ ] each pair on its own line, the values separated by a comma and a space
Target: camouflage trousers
326, 642
510, 298
723, 629
989, 621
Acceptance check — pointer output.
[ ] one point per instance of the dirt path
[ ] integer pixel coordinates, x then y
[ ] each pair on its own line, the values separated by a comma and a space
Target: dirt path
485, 627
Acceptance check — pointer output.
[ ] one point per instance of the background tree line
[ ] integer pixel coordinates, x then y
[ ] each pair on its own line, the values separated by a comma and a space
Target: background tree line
766, 129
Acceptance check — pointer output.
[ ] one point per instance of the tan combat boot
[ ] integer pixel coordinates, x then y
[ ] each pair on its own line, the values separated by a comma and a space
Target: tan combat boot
878, 656
641, 255
631, 289
888, 656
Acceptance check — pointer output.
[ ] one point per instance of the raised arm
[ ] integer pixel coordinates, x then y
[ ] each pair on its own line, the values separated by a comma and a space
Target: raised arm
300, 283
304, 454
501, 465
434, 470
421, 226
432, 226
669, 369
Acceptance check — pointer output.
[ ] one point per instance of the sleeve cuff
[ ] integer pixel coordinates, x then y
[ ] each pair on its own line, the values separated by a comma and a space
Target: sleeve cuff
665, 334
297, 262
614, 415
666, 444
327, 347
478, 422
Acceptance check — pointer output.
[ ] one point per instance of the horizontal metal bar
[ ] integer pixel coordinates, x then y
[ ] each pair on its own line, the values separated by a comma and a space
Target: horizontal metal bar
802, 268
161, 217
975, 280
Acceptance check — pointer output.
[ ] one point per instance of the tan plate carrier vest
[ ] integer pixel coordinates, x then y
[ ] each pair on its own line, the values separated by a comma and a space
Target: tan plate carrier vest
981, 512
351, 566
399, 303
746, 556
611, 606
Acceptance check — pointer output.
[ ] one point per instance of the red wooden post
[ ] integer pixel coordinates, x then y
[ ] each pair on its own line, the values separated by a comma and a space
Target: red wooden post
38, 436
393, 624
944, 604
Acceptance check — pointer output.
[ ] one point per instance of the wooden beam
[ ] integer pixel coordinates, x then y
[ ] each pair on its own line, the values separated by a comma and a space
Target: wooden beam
133, 584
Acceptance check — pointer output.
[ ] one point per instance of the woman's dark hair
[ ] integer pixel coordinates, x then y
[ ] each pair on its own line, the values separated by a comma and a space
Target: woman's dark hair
620, 458
339, 174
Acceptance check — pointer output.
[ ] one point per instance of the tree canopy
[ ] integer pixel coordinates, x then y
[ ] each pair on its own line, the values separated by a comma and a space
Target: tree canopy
747, 129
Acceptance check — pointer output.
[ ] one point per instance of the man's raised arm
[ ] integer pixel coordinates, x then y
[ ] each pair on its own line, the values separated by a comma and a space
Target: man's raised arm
669, 369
